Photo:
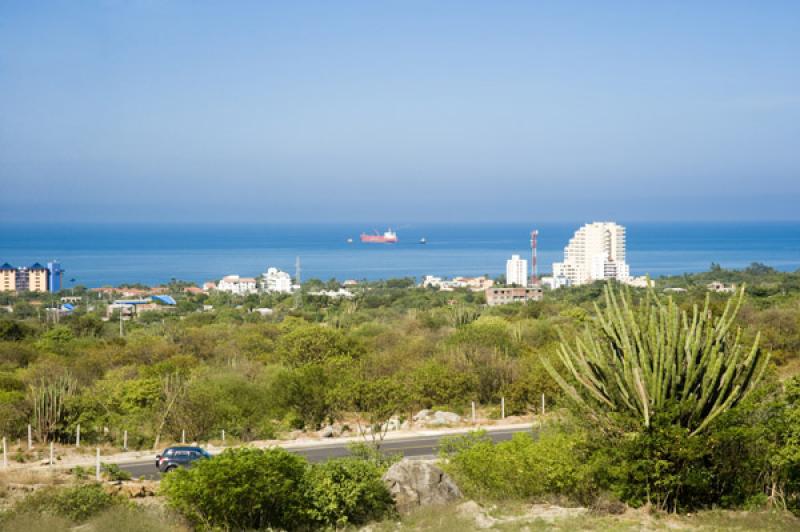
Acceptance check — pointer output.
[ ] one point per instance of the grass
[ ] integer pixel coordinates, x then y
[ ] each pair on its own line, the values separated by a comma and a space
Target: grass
447, 518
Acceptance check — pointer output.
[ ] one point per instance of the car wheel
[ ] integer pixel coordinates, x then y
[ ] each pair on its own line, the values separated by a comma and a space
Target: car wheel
170, 468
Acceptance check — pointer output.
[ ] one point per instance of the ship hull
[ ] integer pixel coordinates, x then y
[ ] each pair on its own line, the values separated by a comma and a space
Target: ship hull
378, 239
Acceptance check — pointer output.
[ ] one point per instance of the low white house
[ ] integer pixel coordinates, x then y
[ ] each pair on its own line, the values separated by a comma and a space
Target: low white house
237, 285
335, 294
555, 282
637, 282
476, 284
275, 280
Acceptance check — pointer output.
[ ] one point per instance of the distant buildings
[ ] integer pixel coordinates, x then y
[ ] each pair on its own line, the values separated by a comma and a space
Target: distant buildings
555, 282
333, 294
720, 287
517, 271
509, 294
271, 281
596, 252
476, 284
275, 280
208, 286
134, 307
35, 278
237, 285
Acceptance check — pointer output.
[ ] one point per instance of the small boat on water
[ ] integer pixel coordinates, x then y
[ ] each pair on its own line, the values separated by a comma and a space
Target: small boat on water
423, 241
349, 240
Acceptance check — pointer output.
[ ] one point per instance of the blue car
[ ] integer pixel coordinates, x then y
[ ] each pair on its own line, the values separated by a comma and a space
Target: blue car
174, 457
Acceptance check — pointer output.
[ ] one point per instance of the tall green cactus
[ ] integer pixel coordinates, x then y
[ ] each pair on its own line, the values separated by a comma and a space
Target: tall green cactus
48, 398
647, 358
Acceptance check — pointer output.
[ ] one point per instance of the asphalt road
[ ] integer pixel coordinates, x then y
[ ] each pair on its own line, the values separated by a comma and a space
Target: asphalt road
419, 446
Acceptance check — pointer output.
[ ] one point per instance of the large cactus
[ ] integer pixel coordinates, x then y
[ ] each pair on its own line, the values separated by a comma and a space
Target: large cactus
653, 357
48, 398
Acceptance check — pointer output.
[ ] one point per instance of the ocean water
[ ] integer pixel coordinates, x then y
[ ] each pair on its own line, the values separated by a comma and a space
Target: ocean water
97, 255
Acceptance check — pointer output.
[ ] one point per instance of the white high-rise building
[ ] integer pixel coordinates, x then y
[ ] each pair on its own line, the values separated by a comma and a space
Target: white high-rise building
517, 271
275, 280
596, 252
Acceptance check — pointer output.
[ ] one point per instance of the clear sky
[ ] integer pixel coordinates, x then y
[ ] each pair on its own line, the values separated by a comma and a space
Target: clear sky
399, 110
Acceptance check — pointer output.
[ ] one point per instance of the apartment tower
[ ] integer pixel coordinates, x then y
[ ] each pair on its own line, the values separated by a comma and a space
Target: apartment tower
596, 252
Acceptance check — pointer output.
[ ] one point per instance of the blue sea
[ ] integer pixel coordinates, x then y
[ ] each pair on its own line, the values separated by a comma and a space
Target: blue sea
108, 254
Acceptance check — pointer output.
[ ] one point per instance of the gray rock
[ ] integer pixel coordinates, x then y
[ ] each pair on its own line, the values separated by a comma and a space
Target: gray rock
449, 418
326, 432
415, 483
422, 414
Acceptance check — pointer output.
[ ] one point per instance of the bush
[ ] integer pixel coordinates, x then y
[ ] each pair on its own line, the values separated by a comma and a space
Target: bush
115, 473
241, 489
253, 489
662, 465
554, 462
347, 491
76, 503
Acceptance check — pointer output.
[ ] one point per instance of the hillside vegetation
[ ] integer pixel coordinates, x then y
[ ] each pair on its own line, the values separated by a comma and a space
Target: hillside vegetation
634, 425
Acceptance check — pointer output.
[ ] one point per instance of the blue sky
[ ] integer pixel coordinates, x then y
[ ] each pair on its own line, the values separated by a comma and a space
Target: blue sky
399, 110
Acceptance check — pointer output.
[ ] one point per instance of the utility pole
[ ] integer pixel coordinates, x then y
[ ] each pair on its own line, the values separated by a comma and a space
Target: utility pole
298, 295
121, 332
534, 266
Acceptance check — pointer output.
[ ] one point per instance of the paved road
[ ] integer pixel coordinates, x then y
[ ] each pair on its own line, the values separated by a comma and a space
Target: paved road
419, 446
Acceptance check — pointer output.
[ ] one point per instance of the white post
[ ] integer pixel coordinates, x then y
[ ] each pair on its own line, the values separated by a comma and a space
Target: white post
183, 436
30, 438
51, 454
542, 404
473, 411
223, 435
125, 440
502, 407
5, 453
78, 436
97, 465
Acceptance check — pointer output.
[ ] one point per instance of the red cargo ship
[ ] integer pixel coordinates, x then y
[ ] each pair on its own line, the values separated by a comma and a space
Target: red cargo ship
389, 237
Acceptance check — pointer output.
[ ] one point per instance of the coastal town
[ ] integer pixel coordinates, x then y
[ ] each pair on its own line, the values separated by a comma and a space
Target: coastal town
596, 252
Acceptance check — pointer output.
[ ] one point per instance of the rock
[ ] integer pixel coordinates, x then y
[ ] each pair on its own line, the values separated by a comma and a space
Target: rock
472, 510
405, 425
545, 512
415, 483
549, 512
422, 414
326, 432
440, 418
133, 489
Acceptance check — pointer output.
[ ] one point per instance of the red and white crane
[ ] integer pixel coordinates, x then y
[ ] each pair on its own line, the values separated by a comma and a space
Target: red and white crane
534, 267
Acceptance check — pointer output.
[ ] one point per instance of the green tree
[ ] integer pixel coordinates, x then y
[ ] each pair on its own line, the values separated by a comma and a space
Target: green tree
316, 344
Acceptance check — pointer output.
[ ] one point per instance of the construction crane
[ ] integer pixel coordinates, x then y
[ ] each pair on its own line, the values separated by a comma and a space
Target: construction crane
534, 267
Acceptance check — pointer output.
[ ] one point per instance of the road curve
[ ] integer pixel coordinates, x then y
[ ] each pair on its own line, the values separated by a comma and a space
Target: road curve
417, 446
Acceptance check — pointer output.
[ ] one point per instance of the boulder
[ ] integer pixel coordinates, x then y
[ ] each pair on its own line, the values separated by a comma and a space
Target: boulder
326, 432
415, 483
423, 414
446, 418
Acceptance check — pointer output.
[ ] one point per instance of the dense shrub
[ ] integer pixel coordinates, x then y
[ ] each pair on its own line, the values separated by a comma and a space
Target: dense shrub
254, 489
241, 489
76, 503
553, 462
347, 491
